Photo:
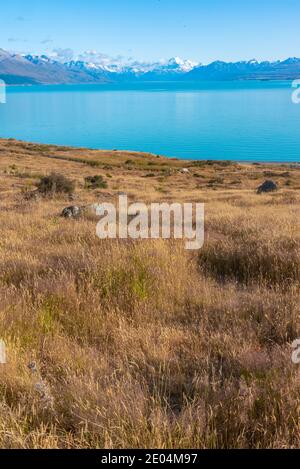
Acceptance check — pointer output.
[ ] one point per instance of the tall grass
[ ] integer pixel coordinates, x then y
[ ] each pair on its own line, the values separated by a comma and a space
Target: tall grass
144, 344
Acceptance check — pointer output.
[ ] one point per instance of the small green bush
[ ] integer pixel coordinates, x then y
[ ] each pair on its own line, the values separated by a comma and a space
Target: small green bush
55, 184
95, 182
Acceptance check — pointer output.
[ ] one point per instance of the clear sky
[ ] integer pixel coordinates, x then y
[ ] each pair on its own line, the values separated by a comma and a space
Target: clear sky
201, 30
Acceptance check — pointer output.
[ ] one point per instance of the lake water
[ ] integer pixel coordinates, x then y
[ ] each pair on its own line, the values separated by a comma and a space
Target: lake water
244, 121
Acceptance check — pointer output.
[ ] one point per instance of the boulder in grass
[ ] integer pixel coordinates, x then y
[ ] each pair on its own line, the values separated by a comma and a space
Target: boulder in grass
267, 186
71, 212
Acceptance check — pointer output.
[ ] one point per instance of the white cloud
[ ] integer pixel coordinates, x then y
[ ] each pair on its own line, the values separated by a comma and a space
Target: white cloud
120, 63
63, 55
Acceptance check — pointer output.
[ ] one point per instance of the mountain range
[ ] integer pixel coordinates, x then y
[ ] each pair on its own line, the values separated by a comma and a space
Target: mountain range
33, 69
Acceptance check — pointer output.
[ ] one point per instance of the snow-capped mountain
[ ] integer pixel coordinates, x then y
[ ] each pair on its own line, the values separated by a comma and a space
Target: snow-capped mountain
180, 69
38, 59
93, 67
247, 70
174, 65
180, 66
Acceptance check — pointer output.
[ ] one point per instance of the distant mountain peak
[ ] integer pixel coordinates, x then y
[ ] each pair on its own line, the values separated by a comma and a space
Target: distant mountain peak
182, 64
92, 67
291, 60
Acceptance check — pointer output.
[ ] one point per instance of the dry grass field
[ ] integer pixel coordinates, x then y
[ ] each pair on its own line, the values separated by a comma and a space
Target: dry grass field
122, 344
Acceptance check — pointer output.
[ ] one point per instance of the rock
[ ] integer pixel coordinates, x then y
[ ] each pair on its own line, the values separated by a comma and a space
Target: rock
71, 212
185, 171
267, 186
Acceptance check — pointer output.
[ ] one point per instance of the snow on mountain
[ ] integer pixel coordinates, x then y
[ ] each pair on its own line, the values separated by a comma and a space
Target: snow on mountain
174, 65
37, 59
94, 67
180, 65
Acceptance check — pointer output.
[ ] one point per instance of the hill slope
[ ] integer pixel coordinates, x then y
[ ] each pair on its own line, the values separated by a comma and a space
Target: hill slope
16, 69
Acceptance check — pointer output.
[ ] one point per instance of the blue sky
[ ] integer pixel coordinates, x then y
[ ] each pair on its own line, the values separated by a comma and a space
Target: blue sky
201, 30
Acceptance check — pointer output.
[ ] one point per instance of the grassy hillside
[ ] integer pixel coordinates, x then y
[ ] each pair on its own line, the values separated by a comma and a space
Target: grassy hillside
121, 344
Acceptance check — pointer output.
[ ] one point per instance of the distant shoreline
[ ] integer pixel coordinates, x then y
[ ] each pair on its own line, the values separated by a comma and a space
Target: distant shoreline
132, 83
182, 161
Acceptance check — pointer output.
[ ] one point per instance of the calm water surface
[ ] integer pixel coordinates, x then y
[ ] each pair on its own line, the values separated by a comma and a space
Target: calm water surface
245, 121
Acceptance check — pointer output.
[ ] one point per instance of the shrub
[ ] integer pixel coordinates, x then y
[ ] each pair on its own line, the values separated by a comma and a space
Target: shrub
95, 182
55, 184
217, 180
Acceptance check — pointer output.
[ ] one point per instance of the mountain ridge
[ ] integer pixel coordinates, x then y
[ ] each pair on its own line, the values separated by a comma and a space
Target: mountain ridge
34, 69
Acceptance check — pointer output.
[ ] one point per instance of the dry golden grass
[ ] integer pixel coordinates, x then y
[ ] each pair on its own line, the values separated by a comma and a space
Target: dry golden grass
144, 344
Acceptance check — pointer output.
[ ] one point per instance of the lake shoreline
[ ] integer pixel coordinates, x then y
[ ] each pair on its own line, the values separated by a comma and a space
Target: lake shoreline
183, 162
147, 154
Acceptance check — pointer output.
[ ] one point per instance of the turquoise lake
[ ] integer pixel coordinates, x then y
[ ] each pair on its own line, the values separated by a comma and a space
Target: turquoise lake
243, 121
